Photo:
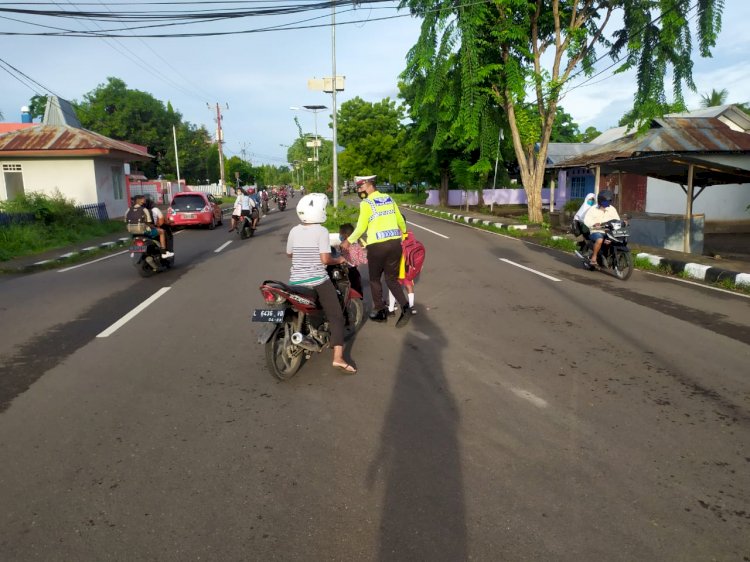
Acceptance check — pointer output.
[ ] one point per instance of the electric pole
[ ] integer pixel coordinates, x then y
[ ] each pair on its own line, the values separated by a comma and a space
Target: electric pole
220, 141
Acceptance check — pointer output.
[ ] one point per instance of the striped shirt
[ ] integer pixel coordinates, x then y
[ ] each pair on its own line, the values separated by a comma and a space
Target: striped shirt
306, 242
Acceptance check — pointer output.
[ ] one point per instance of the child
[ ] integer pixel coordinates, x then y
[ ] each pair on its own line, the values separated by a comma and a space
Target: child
354, 255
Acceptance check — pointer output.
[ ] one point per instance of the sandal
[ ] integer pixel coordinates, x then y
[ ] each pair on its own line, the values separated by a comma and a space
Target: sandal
348, 369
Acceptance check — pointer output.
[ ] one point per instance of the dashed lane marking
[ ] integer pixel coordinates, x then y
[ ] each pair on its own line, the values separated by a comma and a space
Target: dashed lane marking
533, 398
529, 269
132, 314
428, 230
220, 248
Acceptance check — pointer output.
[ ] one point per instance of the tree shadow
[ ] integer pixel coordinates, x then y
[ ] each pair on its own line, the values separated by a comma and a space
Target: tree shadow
419, 461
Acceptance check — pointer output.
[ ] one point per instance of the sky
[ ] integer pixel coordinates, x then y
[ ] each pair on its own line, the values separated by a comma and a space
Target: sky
257, 77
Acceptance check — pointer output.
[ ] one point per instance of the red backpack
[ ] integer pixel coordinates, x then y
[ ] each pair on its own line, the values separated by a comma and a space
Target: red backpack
414, 253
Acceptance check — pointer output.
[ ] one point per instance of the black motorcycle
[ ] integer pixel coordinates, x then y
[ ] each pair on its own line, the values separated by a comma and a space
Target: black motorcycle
281, 204
614, 254
245, 228
146, 256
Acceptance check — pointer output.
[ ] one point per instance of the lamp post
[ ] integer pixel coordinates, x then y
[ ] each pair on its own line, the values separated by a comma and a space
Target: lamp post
315, 109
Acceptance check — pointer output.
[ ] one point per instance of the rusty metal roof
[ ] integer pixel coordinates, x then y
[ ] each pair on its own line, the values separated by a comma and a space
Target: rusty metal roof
62, 140
673, 135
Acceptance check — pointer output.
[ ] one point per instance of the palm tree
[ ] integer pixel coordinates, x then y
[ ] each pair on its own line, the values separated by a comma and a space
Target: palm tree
714, 98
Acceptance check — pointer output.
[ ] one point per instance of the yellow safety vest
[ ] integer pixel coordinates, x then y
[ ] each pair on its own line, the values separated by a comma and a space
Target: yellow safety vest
380, 217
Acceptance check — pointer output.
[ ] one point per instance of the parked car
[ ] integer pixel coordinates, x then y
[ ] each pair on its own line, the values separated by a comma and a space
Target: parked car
193, 208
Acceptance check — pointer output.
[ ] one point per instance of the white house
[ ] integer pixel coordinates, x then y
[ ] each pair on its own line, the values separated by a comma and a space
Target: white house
81, 165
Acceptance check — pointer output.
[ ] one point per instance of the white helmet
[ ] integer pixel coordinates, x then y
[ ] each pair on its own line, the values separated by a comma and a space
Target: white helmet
311, 209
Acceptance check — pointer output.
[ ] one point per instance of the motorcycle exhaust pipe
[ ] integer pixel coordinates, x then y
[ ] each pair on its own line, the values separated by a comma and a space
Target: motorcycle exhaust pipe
580, 255
308, 343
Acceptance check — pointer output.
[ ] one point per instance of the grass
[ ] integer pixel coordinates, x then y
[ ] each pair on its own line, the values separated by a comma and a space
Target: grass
57, 224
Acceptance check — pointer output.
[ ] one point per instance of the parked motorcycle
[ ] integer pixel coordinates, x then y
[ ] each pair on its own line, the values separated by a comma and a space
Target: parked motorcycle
281, 204
614, 255
296, 324
146, 256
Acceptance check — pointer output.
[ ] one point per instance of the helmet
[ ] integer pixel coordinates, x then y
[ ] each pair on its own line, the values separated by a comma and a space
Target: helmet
605, 198
148, 203
311, 209
251, 190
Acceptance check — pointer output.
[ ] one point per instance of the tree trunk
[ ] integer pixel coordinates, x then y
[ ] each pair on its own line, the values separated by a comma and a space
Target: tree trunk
444, 177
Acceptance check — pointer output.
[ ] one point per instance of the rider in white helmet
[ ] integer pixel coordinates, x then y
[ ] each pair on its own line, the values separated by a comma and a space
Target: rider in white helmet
309, 247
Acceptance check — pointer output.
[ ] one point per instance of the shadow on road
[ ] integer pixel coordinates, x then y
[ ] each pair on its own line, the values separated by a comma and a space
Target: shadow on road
419, 461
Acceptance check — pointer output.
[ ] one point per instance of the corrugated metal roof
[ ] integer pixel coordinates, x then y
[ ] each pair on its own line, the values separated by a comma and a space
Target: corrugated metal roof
63, 140
667, 135
557, 151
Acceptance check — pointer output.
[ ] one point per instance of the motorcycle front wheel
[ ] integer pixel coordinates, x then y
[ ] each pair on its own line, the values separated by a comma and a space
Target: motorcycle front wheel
283, 358
623, 265
354, 315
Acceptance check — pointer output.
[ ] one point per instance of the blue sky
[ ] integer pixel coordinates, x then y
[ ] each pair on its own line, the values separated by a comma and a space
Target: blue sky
261, 75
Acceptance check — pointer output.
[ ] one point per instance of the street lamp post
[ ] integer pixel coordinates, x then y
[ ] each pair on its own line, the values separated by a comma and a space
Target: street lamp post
315, 109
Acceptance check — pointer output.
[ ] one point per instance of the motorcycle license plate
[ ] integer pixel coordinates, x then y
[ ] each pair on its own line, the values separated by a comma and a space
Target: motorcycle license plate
268, 315
137, 249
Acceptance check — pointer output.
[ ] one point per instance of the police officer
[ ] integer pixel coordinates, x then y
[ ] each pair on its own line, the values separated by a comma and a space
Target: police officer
385, 226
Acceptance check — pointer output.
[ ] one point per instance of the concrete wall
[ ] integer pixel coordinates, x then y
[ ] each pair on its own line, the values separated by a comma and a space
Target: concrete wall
458, 197
717, 202
106, 192
73, 177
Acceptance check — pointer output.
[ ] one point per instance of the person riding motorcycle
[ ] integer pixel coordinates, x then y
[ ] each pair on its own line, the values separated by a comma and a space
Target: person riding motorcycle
242, 207
309, 247
254, 206
595, 218
161, 226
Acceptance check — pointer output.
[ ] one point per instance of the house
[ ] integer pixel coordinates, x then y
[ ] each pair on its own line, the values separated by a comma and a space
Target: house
668, 167
60, 156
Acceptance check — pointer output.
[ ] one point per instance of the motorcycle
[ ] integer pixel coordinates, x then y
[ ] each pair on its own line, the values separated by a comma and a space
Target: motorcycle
264, 205
281, 203
296, 326
245, 227
146, 256
614, 254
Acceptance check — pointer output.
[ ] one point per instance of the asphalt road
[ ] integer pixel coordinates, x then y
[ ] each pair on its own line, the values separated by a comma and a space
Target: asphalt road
519, 416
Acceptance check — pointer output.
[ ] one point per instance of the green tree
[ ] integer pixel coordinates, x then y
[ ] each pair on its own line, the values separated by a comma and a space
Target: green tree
37, 105
564, 129
589, 134
115, 111
372, 137
714, 98
511, 50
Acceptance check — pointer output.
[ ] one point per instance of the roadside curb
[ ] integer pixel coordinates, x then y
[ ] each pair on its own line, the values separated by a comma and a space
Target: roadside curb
469, 220
697, 271
42, 264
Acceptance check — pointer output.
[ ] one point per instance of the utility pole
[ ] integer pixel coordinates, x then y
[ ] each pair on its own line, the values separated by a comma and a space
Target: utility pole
219, 141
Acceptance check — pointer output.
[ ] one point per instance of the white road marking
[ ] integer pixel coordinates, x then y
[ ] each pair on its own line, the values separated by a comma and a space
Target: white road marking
680, 280
420, 335
533, 398
92, 261
529, 269
220, 248
427, 229
132, 314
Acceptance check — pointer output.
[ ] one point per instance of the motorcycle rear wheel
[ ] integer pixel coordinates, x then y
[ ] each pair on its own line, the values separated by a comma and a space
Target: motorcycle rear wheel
623, 265
144, 269
283, 358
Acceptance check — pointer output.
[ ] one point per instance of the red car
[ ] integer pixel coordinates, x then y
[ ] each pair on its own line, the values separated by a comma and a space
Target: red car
193, 208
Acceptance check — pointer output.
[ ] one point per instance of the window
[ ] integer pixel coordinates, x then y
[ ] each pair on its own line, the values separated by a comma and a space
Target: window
578, 187
13, 175
118, 182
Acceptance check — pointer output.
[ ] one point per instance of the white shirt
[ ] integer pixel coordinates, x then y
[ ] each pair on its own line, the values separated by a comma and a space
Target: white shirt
157, 215
599, 215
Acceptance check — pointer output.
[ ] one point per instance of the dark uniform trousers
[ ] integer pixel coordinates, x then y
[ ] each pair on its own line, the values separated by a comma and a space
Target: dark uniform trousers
385, 258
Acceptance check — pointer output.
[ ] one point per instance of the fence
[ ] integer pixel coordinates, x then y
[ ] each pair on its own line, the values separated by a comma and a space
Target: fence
8, 219
97, 211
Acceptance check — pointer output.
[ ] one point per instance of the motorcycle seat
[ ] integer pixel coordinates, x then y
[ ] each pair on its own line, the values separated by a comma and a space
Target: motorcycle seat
307, 292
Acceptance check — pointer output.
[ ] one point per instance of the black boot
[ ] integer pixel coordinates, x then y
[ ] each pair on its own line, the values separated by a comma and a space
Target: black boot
403, 320
379, 316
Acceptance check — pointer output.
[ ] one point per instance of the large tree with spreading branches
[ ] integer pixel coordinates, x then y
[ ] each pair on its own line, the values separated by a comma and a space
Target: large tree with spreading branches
522, 56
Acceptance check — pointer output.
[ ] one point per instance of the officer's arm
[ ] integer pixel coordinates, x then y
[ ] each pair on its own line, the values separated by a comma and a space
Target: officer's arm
400, 219
364, 219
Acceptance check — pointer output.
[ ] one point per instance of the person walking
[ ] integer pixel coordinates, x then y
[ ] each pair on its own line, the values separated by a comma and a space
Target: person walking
380, 217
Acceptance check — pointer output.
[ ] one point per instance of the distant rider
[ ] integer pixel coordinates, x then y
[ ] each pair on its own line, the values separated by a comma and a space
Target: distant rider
595, 218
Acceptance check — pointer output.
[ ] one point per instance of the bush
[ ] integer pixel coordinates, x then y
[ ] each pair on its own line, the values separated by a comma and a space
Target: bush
342, 214
572, 205
58, 223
